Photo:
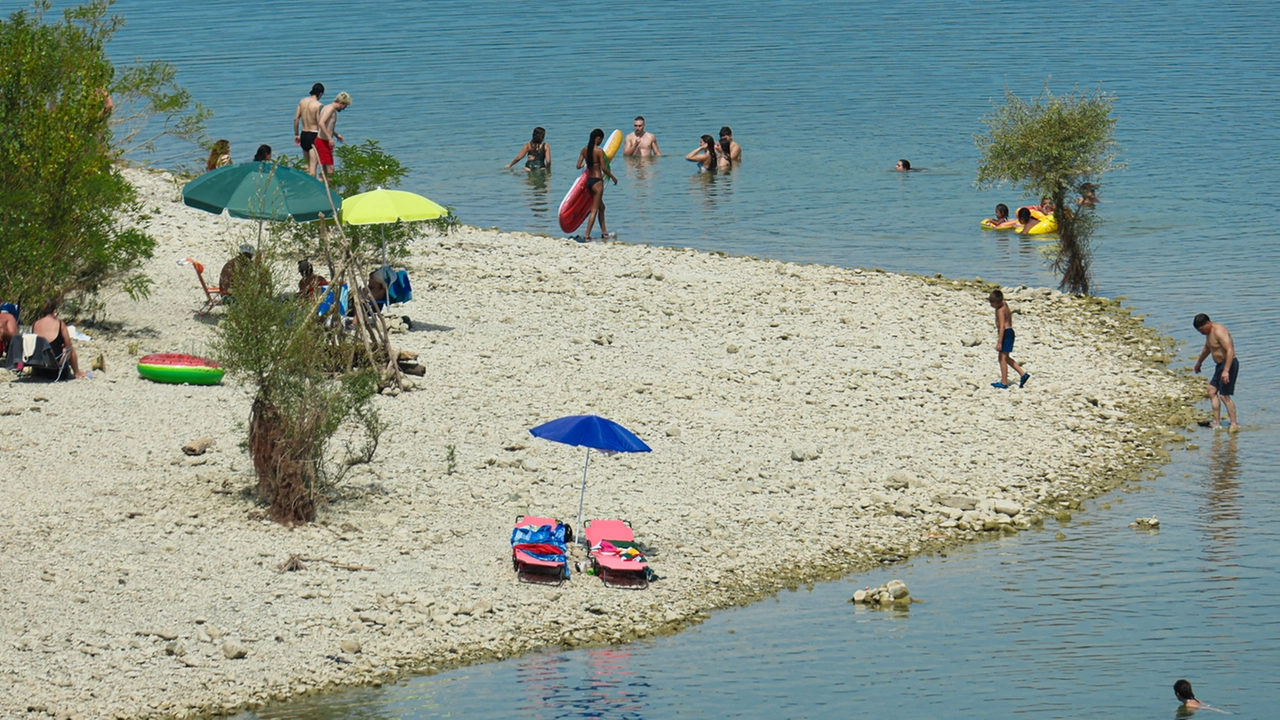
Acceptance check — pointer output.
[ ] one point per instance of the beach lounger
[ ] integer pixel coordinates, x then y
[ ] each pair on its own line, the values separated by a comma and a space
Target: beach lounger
615, 555
539, 550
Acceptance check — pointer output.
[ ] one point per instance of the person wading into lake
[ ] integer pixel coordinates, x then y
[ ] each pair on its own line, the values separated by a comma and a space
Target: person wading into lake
640, 143
592, 157
1222, 386
328, 130
308, 113
538, 150
1004, 341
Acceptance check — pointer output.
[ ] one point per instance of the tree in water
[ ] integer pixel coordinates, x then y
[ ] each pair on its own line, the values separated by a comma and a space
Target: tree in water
1055, 147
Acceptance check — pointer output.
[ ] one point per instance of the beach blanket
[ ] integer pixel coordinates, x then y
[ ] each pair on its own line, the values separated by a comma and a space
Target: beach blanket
544, 534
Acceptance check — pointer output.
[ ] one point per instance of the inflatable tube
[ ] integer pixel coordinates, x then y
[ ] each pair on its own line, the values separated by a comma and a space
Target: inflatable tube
1048, 224
1006, 225
577, 203
179, 368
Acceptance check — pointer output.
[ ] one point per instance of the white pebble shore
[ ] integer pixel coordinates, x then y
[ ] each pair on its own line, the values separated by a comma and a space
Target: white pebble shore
805, 421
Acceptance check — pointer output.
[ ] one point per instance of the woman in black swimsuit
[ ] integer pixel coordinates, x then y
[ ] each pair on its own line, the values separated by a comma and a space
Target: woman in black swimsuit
592, 158
538, 151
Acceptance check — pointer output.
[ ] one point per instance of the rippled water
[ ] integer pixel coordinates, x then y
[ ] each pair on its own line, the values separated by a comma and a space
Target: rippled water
824, 98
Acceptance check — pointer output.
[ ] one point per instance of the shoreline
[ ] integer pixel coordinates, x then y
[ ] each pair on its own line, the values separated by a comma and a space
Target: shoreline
807, 421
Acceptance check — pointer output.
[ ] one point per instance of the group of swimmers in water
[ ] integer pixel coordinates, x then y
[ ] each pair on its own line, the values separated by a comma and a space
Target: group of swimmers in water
1029, 217
710, 156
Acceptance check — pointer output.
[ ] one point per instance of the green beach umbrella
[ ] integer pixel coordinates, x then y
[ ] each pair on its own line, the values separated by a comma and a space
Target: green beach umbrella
261, 191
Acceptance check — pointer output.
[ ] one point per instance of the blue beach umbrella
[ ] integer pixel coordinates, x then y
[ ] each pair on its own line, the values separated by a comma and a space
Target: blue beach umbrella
594, 433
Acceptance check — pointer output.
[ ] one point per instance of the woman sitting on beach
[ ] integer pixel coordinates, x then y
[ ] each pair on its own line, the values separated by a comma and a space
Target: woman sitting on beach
539, 153
263, 154
55, 331
592, 158
705, 155
219, 156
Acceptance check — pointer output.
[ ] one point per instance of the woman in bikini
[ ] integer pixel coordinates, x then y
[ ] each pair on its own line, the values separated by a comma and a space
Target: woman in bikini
592, 158
538, 151
705, 155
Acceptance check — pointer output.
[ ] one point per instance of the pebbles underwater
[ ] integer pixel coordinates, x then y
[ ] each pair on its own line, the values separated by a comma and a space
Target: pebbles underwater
806, 421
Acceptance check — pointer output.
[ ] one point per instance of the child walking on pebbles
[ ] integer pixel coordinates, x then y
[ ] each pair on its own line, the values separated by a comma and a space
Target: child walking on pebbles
1004, 333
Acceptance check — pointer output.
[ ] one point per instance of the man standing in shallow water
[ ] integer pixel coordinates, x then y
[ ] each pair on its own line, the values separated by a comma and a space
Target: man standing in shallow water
308, 113
641, 143
1222, 386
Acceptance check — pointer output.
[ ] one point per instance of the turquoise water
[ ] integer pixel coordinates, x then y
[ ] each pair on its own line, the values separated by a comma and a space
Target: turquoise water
824, 99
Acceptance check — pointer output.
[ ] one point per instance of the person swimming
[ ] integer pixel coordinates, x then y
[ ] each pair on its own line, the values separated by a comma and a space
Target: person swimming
1002, 219
538, 151
1026, 221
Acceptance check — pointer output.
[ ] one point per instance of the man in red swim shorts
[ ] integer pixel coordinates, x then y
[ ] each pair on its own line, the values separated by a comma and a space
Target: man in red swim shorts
328, 132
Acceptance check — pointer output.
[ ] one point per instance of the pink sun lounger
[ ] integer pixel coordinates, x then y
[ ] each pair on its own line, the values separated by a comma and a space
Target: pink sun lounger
539, 550
614, 555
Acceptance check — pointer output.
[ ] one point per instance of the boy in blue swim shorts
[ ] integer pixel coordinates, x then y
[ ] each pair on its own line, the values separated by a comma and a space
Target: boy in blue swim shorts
1004, 342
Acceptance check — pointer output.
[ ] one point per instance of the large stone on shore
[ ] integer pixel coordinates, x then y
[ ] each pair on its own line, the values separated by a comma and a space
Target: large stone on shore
806, 451
233, 650
1006, 507
959, 502
351, 646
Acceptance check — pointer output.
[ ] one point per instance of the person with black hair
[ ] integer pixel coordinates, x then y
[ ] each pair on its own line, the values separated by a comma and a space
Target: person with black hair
308, 113
538, 151
592, 158
1222, 386
731, 148
263, 154
52, 328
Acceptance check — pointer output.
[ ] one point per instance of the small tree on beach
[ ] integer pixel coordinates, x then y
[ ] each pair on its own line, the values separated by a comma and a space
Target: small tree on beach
304, 392
1052, 146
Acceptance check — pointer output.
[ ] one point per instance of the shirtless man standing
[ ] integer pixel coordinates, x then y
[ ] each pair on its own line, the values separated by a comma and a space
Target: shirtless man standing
1222, 386
641, 143
328, 133
308, 114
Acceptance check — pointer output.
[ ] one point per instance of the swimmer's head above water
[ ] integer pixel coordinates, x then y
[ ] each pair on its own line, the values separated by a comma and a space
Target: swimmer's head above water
1182, 689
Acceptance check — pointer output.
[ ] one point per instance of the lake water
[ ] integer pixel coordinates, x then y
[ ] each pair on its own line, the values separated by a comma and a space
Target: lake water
824, 98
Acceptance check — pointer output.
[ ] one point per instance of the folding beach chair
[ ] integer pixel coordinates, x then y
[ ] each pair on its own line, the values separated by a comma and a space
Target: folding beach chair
213, 295
32, 351
539, 550
615, 555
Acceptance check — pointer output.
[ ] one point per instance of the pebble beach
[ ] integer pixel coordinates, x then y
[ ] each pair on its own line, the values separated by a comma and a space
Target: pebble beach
806, 421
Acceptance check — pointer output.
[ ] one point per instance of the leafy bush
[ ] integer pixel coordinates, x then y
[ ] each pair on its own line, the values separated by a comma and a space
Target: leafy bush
361, 168
304, 393
68, 219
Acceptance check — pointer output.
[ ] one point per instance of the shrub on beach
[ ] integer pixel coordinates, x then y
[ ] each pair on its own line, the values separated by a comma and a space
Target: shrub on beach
1053, 146
361, 168
304, 393
69, 222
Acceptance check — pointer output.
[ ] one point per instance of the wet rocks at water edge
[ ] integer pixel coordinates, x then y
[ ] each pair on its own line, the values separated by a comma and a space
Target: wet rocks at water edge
1151, 523
893, 594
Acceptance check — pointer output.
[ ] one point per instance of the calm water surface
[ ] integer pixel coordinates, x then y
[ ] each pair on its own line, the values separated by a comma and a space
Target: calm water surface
825, 98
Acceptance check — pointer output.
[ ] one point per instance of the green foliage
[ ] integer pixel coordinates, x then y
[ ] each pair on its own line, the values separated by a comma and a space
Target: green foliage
63, 203
280, 347
150, 105
1051, 147
361, 168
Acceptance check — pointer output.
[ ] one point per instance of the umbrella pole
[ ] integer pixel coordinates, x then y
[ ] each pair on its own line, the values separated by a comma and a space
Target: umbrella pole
259, 237
384, 245
582, 537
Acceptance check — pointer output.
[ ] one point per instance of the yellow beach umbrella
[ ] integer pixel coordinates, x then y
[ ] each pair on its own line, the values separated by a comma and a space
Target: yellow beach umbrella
388, 206
382, 207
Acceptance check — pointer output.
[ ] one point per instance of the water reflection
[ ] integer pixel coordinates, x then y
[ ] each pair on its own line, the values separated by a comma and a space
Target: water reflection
713, 188
1224, 511
545, 684
538, 192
